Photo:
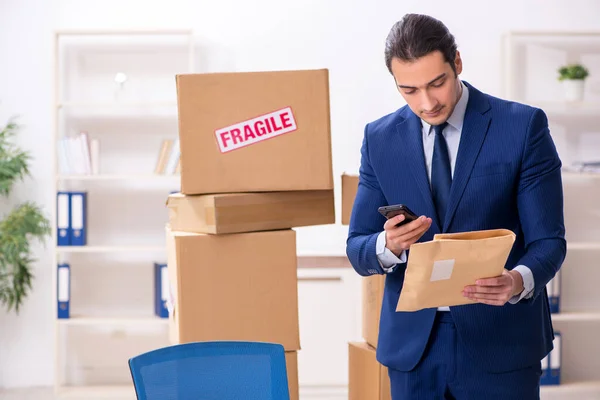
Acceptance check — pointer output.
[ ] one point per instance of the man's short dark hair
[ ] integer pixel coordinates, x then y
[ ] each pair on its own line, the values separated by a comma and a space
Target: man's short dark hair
417, 35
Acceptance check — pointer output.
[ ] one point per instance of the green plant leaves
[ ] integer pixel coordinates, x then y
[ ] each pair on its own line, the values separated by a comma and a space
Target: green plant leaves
572, 71
19, 227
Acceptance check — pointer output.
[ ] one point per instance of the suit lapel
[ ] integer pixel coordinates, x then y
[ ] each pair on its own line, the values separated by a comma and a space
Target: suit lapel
411, 132
475, 127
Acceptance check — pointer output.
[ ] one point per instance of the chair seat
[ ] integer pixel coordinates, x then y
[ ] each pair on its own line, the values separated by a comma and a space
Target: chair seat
226, 370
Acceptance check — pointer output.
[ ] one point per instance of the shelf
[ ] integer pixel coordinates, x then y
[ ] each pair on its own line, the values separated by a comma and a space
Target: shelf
102, 321
98, 392
83, 104
118, 177
571, 389
573, 109
559, 40
109, 249
583, 245
580, 175
576, 316
115, 109
128, 32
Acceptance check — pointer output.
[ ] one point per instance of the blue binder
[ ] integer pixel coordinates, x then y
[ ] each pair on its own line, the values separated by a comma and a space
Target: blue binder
552, 362
63, 290
63, 219
161, 290
78, 218
553, 288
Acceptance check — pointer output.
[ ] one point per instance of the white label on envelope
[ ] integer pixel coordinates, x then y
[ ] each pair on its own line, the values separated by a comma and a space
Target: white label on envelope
256, 130
442, 269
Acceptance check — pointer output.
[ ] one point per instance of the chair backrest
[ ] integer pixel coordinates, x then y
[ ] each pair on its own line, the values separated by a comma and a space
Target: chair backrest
227, 370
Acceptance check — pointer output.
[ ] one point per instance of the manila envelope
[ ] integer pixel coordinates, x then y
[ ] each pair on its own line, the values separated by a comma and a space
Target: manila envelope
438, 270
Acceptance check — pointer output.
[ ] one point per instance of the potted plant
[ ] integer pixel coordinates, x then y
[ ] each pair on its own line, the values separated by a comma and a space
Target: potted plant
18, 226
573, 78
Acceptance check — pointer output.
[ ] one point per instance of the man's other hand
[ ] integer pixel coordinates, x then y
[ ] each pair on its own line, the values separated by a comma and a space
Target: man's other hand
496, 291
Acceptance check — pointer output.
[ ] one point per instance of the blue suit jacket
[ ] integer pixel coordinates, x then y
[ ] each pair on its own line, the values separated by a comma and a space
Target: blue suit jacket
507, 175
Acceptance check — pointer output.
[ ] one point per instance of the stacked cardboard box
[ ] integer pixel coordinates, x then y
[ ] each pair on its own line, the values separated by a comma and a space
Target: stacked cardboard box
231, 248
349, 189
367, 378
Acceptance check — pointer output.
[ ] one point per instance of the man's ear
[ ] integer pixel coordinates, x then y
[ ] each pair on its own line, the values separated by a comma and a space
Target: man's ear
458, 63
396, 84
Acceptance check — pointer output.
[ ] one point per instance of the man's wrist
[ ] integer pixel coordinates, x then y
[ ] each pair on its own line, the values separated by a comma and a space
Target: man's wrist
518, 285
396, 252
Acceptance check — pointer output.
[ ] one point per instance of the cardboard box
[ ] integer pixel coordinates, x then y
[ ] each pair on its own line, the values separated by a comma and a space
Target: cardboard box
372, 299
349, 188
367, 378
291, 363
254, 131
241, 286
250, 212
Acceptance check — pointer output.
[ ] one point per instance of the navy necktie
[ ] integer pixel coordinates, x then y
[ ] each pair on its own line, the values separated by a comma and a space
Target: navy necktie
441, 174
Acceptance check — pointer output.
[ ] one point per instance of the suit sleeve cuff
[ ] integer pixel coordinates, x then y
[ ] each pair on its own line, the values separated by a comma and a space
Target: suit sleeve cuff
386, 258
528, 284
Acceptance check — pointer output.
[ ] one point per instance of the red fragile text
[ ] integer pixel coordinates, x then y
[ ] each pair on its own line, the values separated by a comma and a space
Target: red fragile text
256, 130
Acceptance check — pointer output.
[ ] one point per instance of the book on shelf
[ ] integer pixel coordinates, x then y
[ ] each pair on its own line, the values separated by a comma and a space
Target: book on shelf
78, 154
63, 291
168, 161
551, 364
553, 288
165, 150
161, 290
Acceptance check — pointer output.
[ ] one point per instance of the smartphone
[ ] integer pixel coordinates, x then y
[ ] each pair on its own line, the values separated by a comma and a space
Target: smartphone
397, 209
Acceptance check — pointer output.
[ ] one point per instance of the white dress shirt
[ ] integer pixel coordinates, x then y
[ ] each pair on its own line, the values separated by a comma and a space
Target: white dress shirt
452, 133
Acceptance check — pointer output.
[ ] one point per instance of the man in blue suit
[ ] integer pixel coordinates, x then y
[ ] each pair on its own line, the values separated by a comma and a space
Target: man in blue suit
462, 160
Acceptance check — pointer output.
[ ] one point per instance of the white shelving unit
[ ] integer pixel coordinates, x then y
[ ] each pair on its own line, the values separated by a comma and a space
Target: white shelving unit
112, 288
530, 76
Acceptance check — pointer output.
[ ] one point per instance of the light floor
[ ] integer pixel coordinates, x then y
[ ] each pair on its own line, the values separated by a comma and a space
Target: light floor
561, 392
28, 394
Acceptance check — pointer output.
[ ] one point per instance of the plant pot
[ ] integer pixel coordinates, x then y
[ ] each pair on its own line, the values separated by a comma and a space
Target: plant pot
573, 89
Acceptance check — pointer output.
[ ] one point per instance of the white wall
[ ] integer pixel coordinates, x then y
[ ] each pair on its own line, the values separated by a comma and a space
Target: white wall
346, 37
26, 340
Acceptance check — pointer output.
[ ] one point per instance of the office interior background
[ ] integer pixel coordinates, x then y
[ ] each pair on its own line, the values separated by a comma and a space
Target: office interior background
510, 49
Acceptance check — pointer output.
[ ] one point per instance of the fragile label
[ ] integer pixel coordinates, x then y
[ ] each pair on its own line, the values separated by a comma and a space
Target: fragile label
256, 130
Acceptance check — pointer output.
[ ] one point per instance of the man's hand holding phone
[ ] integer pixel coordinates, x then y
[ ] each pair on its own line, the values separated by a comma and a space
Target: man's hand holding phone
400, 234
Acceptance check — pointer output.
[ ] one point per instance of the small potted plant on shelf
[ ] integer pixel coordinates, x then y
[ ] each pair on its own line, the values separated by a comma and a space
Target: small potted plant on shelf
573, 78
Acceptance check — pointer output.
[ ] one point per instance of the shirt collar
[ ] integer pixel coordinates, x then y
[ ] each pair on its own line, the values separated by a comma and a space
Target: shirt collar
457, 117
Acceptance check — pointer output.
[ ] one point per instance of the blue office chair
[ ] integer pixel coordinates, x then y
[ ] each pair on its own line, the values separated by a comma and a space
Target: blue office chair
227, 370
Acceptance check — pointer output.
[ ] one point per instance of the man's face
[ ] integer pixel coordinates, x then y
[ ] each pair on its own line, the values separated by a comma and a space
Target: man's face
429, 85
